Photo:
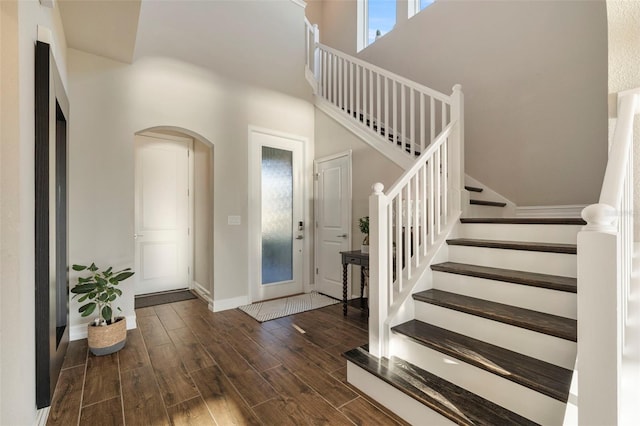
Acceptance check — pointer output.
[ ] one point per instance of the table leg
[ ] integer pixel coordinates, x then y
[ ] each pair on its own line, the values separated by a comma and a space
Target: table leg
361, 286
344, 289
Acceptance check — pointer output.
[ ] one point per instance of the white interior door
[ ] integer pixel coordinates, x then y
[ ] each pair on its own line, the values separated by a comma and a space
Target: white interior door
162, 255
276, 209
333, 221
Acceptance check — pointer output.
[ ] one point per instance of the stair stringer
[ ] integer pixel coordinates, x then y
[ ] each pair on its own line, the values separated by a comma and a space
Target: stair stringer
402, 309
388, 149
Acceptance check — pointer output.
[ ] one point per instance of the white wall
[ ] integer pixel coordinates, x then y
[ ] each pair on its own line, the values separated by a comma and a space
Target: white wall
17, 353
112, 101
368, 166
203, 215
624, 74
534, 76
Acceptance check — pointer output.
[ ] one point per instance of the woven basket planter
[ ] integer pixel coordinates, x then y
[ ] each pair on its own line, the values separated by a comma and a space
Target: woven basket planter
105, 340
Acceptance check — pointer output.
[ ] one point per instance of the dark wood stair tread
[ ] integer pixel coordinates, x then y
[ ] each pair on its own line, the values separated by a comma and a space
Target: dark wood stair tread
515, 245
451, 401
553, 282
553, 325
473, 188
541, 376
526, 220
487, 203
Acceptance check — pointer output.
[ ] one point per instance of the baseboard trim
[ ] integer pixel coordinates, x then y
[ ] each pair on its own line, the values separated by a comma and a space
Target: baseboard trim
570, 210
226, 304
202, 292
78, 332
42, 415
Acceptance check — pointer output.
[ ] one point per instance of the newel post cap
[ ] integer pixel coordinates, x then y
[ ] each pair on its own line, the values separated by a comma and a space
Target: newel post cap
457, 88
600, 217
377, 188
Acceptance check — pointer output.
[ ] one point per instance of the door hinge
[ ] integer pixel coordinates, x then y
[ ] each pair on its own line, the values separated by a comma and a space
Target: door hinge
316, 176
317, 272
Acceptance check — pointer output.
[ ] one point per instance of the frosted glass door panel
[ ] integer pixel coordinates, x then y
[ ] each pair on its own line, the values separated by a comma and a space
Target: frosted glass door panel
277, 215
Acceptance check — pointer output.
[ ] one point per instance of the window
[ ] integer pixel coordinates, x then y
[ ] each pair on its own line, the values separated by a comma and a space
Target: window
375, 19
415, 6
381, 18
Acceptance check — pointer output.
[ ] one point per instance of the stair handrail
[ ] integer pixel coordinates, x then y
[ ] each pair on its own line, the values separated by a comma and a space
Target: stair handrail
406, 225
605, 253
396, 115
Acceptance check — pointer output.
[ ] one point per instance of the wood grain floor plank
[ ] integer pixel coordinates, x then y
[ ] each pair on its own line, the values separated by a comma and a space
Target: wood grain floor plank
145, 312
134, 354
282, 412
253, 353
190, 351
65, 404
153, 332
76, 354
315, 408
362, 412
191, 412
173, 379
224, 402
249, 383
141, 397
105, 413
102, 379
331, 389
168, 317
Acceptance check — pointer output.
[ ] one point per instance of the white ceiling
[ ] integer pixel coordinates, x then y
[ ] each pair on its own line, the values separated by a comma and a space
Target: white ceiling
253, 41
103, 27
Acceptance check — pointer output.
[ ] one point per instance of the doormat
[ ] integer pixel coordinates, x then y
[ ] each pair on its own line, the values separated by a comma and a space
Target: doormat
153, 299
273, 309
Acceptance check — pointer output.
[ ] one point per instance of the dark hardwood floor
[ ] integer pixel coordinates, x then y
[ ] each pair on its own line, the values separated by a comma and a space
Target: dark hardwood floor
185, 365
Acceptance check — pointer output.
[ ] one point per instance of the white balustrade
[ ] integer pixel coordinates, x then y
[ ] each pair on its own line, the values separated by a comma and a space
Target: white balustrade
425, 128
605, 253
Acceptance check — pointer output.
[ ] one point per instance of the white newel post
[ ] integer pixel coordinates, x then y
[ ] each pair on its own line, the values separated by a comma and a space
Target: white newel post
599, 332
456, 150
378, 274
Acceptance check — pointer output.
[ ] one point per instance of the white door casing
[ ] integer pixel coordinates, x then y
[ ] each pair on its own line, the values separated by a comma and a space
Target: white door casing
293, 284
163, 252
333, 220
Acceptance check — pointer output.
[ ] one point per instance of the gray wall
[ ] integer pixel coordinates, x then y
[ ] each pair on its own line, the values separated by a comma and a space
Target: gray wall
534, 74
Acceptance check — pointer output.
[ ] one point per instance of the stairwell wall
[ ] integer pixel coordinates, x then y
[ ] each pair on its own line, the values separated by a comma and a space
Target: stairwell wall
534, 77
624, 63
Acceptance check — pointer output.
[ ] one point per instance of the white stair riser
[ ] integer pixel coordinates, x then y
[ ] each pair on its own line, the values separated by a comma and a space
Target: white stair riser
510, 395
521, 260
566, 234
397, 401
523, 296
531, 343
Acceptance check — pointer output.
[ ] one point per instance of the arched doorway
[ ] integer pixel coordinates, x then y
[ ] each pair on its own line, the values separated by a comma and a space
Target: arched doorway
173, 212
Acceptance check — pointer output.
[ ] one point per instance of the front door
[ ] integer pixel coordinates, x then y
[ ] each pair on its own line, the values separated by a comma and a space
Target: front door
333, 221
162, 255
277, 228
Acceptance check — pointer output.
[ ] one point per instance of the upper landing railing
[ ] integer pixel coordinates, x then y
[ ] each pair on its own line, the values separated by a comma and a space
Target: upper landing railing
397, 114
605, 253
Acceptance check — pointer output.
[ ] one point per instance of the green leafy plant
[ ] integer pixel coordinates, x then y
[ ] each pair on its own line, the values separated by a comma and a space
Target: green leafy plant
99, 288
363, 223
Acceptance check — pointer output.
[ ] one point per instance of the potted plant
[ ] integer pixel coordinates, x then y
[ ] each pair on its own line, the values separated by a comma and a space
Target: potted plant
363, 223
106, 334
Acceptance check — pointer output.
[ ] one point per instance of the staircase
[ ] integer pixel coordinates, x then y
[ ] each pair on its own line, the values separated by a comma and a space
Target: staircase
498, 326
473, 314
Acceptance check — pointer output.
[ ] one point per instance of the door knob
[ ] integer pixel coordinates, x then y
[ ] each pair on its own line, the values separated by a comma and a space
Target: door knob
299, 237
342, 236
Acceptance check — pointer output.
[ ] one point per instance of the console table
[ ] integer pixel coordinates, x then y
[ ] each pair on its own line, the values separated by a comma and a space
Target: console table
356, 257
